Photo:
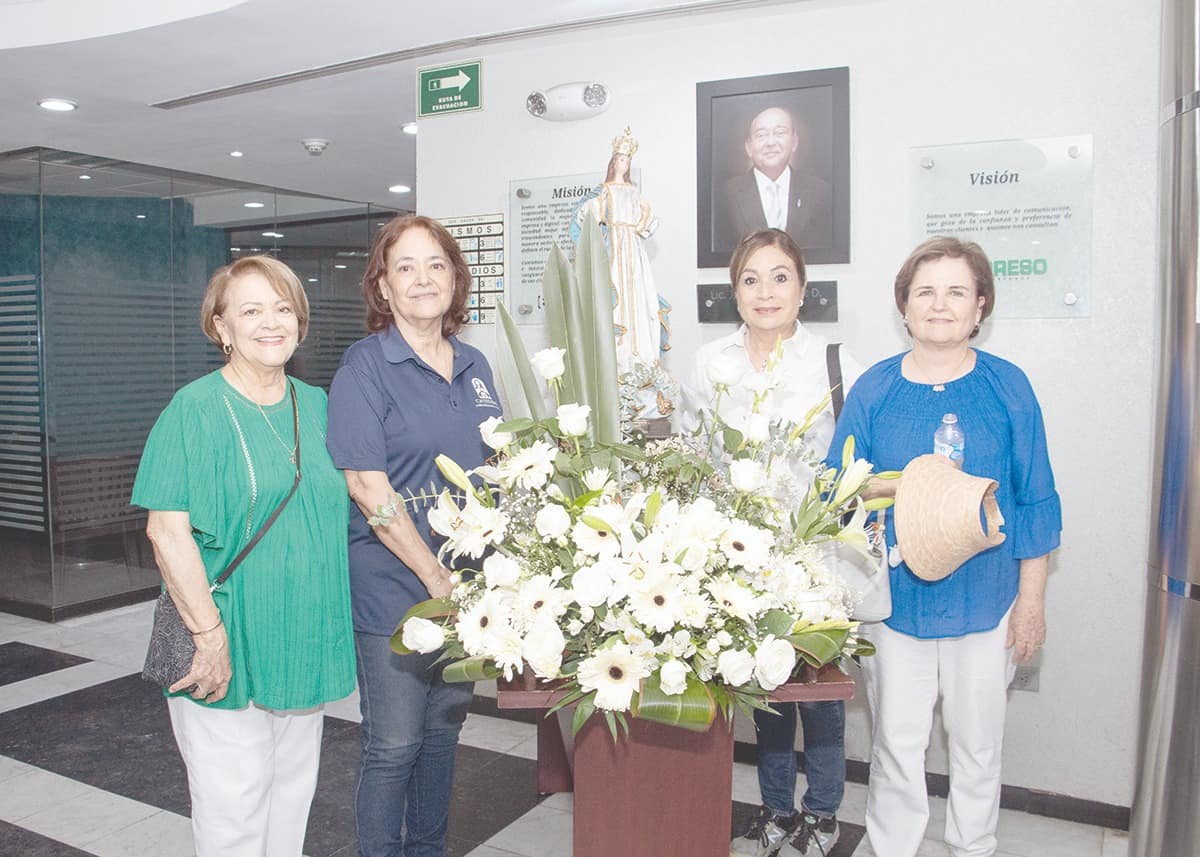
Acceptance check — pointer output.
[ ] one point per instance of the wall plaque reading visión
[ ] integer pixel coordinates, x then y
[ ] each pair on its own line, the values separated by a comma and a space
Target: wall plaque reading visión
1028, 203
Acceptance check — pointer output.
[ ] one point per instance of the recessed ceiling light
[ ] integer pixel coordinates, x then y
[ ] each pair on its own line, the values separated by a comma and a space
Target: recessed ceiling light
399, 188
339, 266
58, 105
85, 178
254, 249
141, 216
235, 154
409, 128
253, 204
236, 249
272, 235
312, 279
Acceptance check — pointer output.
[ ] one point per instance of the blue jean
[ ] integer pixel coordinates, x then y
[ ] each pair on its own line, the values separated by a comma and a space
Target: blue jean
824, 755
410, 725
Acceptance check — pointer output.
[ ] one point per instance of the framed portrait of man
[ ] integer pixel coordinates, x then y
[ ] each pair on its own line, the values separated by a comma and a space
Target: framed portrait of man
774, 151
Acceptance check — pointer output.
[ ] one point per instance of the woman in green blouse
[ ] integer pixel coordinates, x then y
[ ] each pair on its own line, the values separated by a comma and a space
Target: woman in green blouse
274, 642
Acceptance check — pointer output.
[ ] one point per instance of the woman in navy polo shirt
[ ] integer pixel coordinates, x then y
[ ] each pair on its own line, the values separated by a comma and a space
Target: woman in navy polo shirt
406, 393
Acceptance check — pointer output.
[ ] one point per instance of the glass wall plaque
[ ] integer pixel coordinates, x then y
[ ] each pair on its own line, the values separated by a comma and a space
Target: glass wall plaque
1028, 203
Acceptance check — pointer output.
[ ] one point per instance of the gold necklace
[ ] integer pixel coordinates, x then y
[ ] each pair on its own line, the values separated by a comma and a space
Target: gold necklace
290, 450
939, 386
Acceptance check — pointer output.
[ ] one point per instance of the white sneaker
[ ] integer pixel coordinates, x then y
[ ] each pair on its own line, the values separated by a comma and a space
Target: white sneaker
813, 837
765, 835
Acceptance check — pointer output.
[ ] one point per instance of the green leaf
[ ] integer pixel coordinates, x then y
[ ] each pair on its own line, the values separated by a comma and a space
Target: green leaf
586, 706
624, 451
598, 524
470, 669
878, 503
818, 648
597, 299
517, 364
731, 438
693, 709
519, 424
564, 323
848, 452
585, 498
777, 622
653, 504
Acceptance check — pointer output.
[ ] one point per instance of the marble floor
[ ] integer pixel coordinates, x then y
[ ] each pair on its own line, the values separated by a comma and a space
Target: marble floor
88, 766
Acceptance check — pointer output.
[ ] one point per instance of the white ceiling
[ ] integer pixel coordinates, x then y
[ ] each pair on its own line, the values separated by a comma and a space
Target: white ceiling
137, 61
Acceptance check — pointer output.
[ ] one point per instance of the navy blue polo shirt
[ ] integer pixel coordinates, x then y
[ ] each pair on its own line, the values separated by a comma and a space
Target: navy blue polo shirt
390, 411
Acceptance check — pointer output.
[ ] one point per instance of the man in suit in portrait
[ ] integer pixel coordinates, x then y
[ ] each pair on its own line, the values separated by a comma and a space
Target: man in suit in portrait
774, 194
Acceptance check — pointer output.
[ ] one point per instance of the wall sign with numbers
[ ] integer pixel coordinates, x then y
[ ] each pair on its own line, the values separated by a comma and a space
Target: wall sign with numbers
481, 238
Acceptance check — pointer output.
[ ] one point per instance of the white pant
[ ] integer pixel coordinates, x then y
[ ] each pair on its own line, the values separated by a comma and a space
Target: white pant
903, 681
251, 773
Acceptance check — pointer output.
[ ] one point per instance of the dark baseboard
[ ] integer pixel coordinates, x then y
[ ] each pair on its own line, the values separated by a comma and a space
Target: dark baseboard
69, 611
1033, 801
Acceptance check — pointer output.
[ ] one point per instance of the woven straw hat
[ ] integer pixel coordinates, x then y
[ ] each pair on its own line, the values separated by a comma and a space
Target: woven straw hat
938, 516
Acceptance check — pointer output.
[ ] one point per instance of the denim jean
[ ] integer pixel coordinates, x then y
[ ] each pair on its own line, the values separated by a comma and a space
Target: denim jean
824, 755
410, 725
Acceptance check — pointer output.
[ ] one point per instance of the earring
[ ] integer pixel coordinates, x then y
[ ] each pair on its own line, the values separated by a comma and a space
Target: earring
227, 348
975, 332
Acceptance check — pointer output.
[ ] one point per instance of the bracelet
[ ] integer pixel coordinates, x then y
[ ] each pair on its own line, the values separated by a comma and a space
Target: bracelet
220, 621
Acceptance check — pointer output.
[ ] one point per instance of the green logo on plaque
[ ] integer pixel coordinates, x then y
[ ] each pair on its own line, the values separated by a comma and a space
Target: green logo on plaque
448, 89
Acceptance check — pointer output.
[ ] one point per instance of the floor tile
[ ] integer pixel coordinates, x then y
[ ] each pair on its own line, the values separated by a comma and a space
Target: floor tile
10, 767
489, 851
33, 791
19, 661
1024, 835
541, 832
40, 688
89, 815
162, 834
16, 840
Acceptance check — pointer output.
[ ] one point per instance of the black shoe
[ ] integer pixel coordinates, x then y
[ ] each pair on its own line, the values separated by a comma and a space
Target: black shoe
814, 837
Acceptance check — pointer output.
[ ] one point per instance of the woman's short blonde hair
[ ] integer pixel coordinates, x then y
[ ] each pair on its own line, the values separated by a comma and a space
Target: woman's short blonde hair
282, 279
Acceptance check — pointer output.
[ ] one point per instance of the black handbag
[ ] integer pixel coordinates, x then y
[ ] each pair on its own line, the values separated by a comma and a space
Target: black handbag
169, 656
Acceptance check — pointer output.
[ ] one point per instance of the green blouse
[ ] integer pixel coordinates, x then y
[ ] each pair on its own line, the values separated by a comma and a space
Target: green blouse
287, 606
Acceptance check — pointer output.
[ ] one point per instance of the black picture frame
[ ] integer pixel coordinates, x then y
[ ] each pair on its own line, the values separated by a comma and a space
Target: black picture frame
819, 103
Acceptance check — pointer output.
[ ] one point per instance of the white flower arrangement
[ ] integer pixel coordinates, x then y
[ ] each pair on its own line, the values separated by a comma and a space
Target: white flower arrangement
665, 581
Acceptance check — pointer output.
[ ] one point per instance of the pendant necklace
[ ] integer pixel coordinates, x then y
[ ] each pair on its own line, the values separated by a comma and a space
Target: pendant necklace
290, 450
939, 387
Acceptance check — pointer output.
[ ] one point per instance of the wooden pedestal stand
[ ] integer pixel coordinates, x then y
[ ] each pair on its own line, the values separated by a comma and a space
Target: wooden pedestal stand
661, 791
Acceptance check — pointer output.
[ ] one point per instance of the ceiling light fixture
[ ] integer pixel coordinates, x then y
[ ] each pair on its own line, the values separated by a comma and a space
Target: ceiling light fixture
272, 235
253, 204
409, 127
339, 266
235, 154
57, 105
235, 249
312, 279
399, 188
85, 178
141, 216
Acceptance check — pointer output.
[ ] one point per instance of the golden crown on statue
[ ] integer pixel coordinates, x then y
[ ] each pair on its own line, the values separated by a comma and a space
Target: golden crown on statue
625, 144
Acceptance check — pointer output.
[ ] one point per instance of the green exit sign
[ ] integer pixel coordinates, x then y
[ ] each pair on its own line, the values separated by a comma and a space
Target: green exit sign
448, 89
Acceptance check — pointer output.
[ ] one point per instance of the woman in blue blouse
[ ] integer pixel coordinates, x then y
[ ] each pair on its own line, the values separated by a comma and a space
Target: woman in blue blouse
406, 393
960, 637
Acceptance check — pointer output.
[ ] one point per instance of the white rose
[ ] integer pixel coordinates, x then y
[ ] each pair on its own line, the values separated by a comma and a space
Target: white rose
736, 665
673, 677
549, 363
747, 475
773, 662
713, 646
573, 419
421, 635
574, 627
723, 371
591, 586
757, 428
552, 521
494, 439
543, 649
500, 570
724, 638
587, 614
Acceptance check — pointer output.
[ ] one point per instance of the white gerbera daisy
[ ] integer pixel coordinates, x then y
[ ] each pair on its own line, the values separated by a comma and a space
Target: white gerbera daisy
746, 546
479, 626
530, 468
655, 600
537, 599
614, 674
733, 597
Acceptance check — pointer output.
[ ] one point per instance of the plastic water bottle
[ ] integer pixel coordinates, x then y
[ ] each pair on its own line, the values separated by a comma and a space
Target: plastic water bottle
948, 440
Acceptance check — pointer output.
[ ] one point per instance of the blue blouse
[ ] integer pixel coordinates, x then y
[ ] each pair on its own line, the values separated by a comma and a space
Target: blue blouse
390, 411
893, 421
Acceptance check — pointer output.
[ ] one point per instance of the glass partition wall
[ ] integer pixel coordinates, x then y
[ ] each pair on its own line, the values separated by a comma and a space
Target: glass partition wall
102, 269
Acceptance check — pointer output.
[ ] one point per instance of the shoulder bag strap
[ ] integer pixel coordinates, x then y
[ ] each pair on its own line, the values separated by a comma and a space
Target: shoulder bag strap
833, 365
262, 531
